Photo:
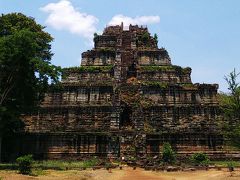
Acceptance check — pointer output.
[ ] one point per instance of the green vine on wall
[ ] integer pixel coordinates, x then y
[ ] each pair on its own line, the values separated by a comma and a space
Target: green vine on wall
89, 69
162, 85
179, 69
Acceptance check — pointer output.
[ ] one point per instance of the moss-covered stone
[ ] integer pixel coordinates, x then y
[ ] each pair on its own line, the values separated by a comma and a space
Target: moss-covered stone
179, 69
89, 69
162, 85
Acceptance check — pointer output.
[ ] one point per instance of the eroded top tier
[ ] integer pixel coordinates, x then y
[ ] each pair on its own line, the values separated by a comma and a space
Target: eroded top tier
134, 44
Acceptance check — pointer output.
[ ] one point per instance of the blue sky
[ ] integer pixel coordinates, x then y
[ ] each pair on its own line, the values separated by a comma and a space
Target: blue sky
202, 34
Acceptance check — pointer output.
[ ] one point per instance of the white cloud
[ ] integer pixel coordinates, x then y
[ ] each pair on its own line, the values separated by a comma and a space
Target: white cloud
63, 16
140, 20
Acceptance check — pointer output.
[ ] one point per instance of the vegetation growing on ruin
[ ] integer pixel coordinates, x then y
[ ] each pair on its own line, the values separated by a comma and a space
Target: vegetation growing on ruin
168, 155
155, 37
144, 37
166, 68
95, 35
188, 86
162, 85
200, 159
89, 69
131, 96
144, 40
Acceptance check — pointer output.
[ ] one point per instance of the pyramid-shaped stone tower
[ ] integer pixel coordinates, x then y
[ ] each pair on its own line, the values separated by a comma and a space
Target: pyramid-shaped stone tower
126, 99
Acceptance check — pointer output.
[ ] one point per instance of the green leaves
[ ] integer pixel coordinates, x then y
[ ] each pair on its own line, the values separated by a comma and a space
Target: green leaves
25, 67
230, 106
232, 81
200, 159
168, 155
89, 69
25, 164
230, 103
155, 37
178, 69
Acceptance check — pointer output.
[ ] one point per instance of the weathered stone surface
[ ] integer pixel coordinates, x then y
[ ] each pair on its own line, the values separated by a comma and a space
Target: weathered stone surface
125, 100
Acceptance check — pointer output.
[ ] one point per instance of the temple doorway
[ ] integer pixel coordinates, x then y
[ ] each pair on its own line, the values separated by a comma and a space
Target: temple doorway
126, 118
132, 70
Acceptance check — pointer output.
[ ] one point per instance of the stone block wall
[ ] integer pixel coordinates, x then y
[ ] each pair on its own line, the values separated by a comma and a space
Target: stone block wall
70, 119
74, 96
153, 57
126, 99
87, 76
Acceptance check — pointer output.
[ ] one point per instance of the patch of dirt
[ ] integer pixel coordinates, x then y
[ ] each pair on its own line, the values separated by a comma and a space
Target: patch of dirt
100, 174
126, 174
200, 175
141, 174
10, 175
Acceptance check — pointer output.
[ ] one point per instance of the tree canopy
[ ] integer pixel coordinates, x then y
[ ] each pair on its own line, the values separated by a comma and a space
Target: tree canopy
230, 103
230, 106
26, 71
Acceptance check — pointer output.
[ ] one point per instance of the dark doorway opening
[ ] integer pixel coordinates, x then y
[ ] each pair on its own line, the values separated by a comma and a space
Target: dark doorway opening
101, 145
126, 118
132, 70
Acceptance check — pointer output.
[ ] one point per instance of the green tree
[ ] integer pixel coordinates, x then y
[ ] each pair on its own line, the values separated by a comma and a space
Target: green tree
168, 155
200, 159
95, 35
145, 37
25, 164
155, 37
230, 106
25, 68
231, 102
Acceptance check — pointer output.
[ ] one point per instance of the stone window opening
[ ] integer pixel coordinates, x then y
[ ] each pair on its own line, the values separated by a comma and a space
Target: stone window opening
212, 112
132, 71
126, 118
210, 93
185, 97
193, 97
101, 145
154, 146
176, 114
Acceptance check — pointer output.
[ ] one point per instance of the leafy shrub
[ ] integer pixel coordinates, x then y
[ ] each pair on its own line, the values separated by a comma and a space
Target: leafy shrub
91, 162
231, 165
145, 37
25, 164
168, 154
200, 159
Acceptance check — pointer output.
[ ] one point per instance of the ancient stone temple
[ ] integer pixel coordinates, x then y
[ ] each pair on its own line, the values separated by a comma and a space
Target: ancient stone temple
126, 99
